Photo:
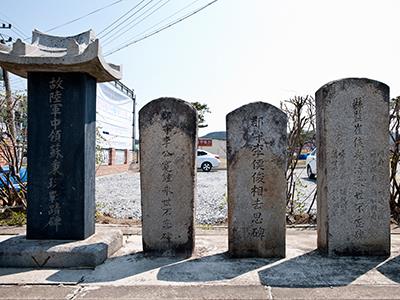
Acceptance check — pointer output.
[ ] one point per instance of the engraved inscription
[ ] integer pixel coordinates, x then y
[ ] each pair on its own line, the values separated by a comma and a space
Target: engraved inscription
167, 176
55, 175
359, 169
257, 179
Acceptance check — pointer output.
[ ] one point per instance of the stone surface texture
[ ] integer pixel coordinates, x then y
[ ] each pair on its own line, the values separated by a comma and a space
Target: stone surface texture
19, 252
47, 53
256, 144
353, 167
168, 140
61, 156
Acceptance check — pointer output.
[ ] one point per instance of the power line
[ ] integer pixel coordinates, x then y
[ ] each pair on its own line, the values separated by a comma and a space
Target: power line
84, 16
160, 22
113, 38
115, 27
15, 28
161, 29
134, 7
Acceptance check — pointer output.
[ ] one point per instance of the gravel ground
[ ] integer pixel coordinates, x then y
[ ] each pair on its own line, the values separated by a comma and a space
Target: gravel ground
119, 195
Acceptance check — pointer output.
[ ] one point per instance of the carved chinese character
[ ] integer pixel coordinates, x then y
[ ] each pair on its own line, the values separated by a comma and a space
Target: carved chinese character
258, 232
166, 224
167, 190
257, 218
257, 121
55, 135
257, 203
55, 122
166, 140
258, 177
166, 115
55, 168
166, 211
55, 97
56, 83
258, 164
257, 190
166, 236
55, 151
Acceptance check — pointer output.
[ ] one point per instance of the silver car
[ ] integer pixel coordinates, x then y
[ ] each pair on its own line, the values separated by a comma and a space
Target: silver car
311, 163
206, 160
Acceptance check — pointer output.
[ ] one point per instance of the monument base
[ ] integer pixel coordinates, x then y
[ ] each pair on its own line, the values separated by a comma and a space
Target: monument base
19, 252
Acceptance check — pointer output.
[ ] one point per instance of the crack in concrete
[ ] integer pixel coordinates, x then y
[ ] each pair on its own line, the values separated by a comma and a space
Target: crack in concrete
38, 264
76, 293
269, 292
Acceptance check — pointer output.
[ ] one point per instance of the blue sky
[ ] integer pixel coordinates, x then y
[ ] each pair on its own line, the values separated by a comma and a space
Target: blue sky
235, 51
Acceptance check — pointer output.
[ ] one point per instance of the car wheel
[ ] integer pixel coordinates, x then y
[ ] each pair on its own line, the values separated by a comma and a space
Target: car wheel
310, 173
206, 166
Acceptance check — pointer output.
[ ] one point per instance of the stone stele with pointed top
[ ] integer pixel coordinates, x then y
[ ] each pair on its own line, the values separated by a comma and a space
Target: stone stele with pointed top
256, 144
62, 74
168, 140
353, 167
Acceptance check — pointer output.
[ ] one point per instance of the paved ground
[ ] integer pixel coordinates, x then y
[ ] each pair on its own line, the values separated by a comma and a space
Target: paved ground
211, 274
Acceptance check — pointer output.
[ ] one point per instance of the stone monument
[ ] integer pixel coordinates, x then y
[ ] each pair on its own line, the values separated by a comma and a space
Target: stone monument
256, 154
353, 167
62, 73
168, 140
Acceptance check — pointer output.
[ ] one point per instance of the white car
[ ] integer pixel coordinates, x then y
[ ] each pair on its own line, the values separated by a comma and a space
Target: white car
311, 163
206, 160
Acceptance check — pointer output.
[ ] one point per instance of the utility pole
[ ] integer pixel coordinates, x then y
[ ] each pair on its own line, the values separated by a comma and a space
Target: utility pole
9, 101
9, 104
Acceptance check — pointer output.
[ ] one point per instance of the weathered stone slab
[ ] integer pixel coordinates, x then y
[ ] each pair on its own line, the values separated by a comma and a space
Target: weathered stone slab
168, 137
353, 167
61, 156
256, 143
18, 252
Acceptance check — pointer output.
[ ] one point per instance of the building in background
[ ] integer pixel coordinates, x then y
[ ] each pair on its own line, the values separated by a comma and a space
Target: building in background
115, 123
214, 142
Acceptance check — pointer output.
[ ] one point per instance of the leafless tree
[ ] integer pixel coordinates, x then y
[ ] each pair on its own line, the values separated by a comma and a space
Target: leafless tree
13, 108
394, 131
301, 129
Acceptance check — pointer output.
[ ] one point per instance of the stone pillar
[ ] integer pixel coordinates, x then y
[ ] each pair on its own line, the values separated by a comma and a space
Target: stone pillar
62, 73
111, 156
353, 167
256, 156
61, 156
168, 136
126, 156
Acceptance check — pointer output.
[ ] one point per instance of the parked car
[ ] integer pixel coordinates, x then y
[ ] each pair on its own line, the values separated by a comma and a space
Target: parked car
311, 163
206, 160
4, 175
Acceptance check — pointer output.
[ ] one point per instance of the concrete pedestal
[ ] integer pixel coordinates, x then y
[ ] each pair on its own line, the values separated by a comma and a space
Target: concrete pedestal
19, 252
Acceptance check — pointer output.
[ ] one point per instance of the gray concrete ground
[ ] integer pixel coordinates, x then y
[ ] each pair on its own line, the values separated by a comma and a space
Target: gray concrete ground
211, 274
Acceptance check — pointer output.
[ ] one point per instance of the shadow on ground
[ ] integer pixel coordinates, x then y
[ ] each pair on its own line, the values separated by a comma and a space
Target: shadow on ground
117, 268
172, 269
316, 270
210, 268
391, 269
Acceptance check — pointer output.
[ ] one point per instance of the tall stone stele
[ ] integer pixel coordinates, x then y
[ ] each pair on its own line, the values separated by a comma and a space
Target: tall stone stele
168, 140
256, 144
353, 167
62, 73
